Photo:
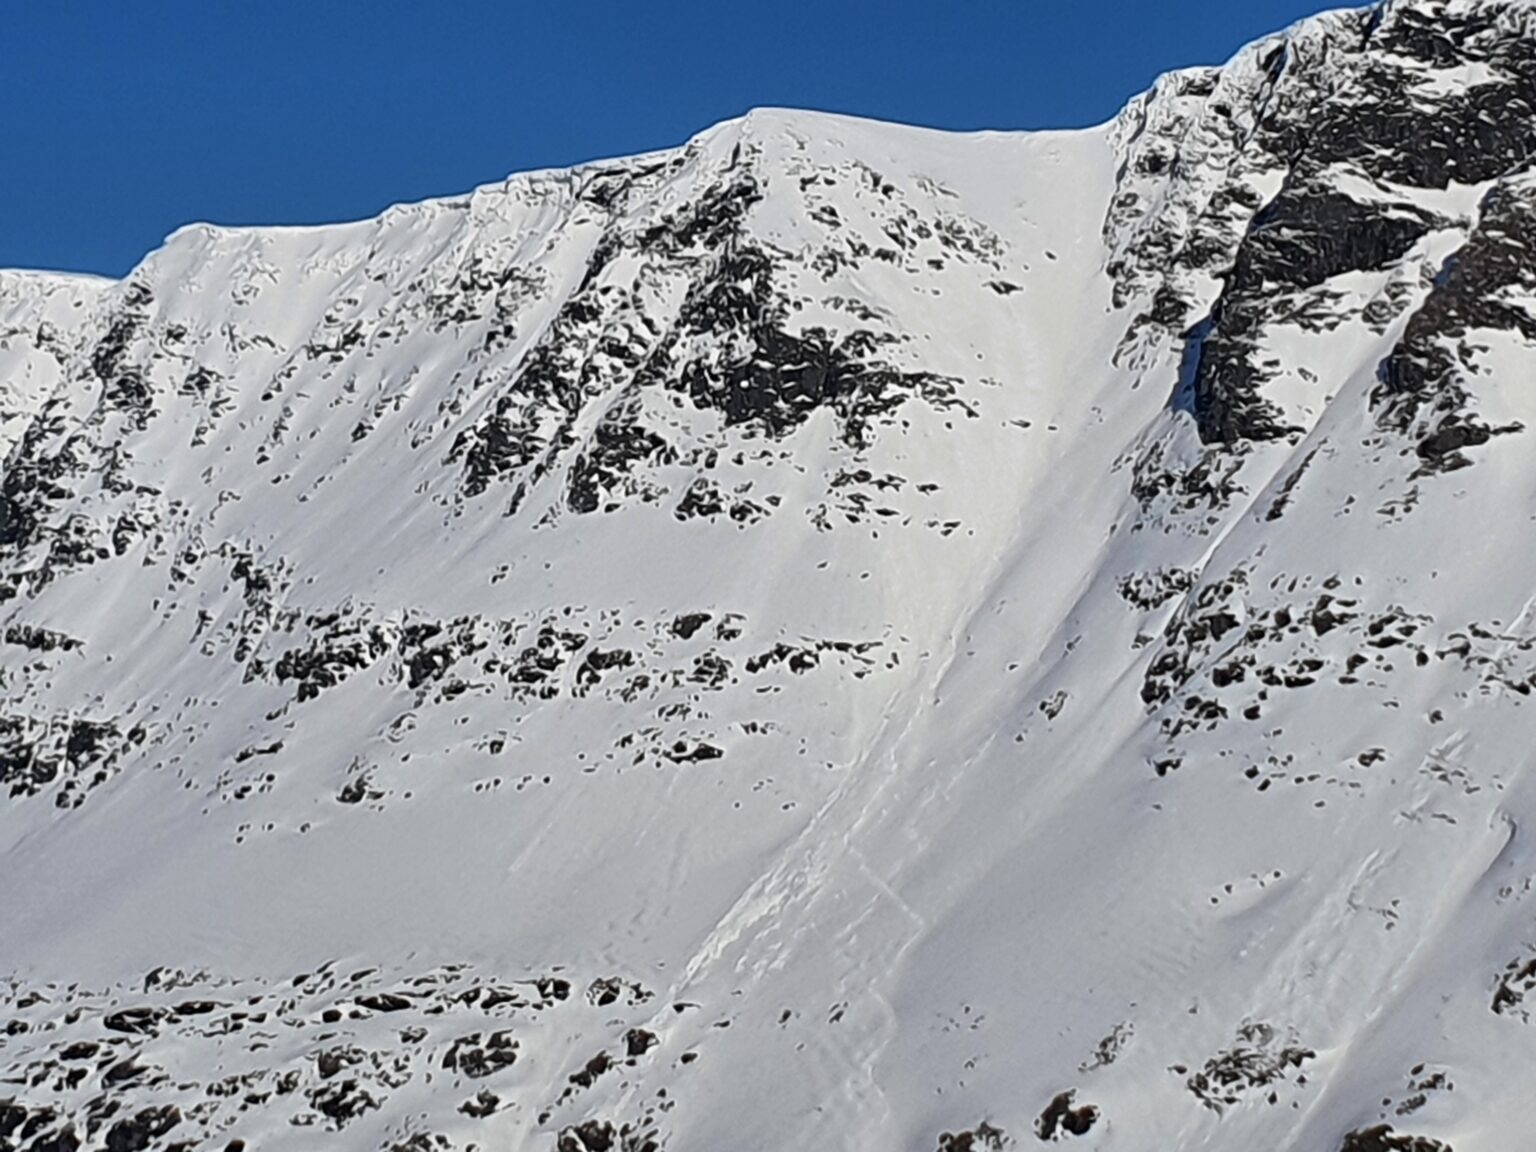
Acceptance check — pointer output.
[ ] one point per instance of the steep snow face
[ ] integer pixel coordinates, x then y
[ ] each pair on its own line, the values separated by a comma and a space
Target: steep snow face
836, 635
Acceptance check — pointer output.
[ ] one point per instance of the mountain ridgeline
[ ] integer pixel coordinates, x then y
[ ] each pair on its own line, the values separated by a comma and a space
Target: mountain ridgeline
837, 635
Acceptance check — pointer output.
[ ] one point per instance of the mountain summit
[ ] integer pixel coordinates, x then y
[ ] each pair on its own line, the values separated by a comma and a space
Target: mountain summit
837, 636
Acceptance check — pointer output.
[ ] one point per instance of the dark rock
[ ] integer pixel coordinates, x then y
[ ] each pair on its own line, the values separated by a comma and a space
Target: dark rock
12, 1116
64, 1140
122, 1072
684, 627
1256, 1061
637, 1042
343, 1102
143, 1129
592, 1136
136, 1021
384, 1002
40, 639
983, 1138
1062, 1117
1383, 1139
478, 1058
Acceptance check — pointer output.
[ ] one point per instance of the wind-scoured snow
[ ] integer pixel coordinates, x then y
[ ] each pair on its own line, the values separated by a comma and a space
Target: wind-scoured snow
837, 635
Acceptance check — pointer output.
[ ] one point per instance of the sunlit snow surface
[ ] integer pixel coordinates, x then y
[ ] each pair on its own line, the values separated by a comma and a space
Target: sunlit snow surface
836, 636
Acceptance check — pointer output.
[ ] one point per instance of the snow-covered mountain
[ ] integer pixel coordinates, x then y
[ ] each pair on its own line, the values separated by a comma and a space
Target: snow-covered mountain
837, 636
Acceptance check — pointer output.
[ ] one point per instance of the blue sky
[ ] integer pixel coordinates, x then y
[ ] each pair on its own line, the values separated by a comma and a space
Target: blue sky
122, 121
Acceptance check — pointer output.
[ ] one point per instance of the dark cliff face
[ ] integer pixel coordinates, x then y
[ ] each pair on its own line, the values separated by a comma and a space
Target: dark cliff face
1359, 122
1424, 390
1307, 235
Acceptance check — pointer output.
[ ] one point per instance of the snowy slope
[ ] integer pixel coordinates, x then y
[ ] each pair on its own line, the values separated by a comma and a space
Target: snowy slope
838, 635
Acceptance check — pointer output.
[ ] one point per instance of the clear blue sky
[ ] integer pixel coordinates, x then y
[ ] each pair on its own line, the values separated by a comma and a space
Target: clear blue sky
123, 120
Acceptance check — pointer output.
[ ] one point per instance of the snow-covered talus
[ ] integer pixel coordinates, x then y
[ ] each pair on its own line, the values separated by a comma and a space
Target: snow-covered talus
837, 635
